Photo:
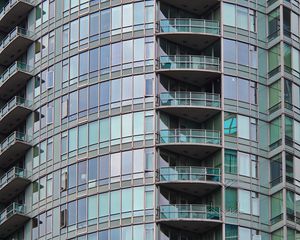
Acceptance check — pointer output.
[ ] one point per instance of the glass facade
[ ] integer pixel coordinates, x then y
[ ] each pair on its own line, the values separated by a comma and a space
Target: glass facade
149, 119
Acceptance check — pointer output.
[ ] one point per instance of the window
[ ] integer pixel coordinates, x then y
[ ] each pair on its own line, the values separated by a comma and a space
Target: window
240, 53
238, 16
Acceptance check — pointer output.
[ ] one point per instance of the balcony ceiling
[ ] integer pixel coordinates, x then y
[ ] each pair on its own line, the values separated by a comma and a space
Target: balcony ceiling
197, 7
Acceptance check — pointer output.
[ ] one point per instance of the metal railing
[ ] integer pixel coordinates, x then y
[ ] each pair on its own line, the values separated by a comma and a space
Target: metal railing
192, 136
11, 4
14, 208
190, 25
189, 211
15, 172
14, 102
192, 173
18, 31
11, 70
12, 138
190, 99
197, 62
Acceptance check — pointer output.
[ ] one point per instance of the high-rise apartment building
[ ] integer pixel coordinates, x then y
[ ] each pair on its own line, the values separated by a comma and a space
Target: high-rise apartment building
150, 120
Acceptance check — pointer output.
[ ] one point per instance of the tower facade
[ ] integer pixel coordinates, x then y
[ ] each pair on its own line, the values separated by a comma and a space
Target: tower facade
149, 120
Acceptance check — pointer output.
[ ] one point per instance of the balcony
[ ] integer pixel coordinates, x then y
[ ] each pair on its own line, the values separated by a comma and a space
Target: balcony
192, 33
192, 180
13, 113
14, 13
196, 218
14, 79
196, 143
14, 45
13, 183
194, 69
13, 148
195, 106
11, 219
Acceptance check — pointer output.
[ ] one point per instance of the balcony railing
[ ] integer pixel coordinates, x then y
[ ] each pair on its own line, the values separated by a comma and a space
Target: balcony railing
17, 66
193, 173
12, 35
12, 138
16, 101
192, 136
13, 173
189, 212
190, 99
189, 25
14, 208
190, 62
10, 4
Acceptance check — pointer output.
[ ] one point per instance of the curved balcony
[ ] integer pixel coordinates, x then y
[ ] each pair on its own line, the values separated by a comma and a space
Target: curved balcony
14, 79
13, 148
195, 106
192, 180
14, 45
190, 217
13, 183
196, 7
196, 143
192, 33
12, 218
13, 113
14, 13
194, 69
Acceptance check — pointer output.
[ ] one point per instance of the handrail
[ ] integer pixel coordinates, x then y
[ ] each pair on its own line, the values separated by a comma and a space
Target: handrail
189, 211
15, 101
189, 62
13, 34
14, 172
190, 136
190, 99
12, 138
190, 25
12, 69
14, 208
190, 173
5, 9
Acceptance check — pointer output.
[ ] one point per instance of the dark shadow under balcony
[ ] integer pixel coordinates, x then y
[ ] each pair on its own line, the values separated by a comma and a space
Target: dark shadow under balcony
13, 183
195, 7
14, 45
193, 180
14, 113
11, 219
13, 148
192, 33
195, 106
196, 143
13, 13
196, 218
193, 69
14, 79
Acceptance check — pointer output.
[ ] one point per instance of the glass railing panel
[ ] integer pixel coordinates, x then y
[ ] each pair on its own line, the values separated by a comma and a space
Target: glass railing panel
12, 138
190, 26
190, 136
16, 66
14, 102
11, 174
190, 99
192, 173
190, 211
190, 62
17, 31
14, 208
10, 4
